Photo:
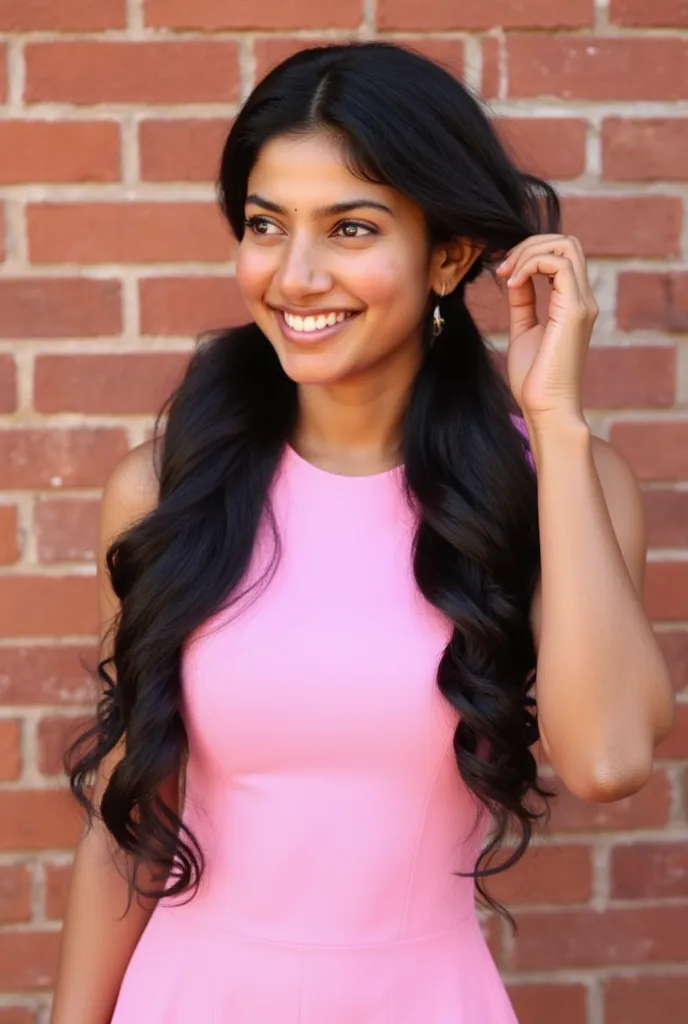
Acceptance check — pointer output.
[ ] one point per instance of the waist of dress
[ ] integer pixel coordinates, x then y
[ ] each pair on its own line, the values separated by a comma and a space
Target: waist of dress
167, 915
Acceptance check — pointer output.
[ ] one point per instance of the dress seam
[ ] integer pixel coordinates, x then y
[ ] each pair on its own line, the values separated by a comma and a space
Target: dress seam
423, 815
289, 944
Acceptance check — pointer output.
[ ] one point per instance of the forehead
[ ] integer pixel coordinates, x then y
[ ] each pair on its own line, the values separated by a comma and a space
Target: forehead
310, 171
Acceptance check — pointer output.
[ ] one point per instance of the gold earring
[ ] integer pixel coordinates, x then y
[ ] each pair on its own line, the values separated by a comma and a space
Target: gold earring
437, 319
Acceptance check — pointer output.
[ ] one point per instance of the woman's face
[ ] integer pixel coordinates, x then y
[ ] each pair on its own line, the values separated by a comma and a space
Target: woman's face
303, 264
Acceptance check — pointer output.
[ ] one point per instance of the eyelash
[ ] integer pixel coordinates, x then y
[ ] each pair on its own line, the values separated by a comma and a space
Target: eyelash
251, 222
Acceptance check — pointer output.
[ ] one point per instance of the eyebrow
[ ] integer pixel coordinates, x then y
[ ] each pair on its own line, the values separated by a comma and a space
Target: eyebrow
323, 211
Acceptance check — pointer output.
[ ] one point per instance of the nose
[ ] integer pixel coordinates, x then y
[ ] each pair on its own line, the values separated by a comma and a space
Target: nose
301, 272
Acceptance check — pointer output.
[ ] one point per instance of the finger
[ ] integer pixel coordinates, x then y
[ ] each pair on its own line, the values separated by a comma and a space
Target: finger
561, 272
567, 249
518, 250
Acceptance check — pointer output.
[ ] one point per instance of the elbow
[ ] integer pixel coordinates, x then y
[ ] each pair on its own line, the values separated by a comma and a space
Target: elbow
611, 782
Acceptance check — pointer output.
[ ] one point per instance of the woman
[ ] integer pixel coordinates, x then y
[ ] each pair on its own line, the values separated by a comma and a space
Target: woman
329, 599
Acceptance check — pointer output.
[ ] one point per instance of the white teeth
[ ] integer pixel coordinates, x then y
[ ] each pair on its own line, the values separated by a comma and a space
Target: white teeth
315, 323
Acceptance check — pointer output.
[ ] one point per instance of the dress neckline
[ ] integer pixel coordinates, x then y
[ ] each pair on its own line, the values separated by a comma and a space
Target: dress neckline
316, 471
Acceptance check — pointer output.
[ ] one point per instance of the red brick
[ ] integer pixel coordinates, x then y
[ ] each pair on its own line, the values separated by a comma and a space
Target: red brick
187, 306
492, 49
59, 151
8, 380
9, 534
551, 147
182, 150
67, 531
591, 938
44, 674
55, 733
546, 874
136, 383
649, 871
2, 221
247, 14
626, 376
57, 878
640, 999
666, 514
17, 1015
666, 591
657, 450
674, 645
3, 73
62, 307
597, 68
658, 14
625, 225
10, 749
15, 895
645, 149
647, 809
28, 960
92, 72
482, 14
653, 301
61, 457
67, 15
545, 1003
133, 232
53, 605
38, 819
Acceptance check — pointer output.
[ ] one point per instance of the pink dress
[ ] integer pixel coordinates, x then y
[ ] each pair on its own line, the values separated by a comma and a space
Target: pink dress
323, 788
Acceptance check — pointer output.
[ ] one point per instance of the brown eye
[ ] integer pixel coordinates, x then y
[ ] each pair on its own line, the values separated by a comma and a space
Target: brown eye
352, 229
258, 225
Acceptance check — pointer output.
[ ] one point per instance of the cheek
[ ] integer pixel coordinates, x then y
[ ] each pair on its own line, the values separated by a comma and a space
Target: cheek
389, 275
254, 270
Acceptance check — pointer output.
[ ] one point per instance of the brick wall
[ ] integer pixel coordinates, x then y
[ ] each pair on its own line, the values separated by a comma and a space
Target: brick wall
111, 117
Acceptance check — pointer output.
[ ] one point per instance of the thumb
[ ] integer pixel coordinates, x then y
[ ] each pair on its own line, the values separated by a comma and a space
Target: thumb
522, 307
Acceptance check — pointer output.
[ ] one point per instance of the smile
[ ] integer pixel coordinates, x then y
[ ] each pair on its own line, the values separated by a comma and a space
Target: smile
311, 329
308, 324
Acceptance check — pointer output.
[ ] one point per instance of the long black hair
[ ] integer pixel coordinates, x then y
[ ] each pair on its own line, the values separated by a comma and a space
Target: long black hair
404, 121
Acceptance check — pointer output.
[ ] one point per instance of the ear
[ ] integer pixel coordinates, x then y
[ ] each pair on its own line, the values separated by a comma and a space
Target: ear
451, 262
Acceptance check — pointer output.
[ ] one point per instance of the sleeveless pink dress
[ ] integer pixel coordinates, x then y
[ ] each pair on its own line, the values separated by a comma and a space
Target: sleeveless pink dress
323, 788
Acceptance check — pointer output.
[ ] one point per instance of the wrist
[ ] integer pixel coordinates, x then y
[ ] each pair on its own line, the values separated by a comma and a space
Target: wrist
558, 432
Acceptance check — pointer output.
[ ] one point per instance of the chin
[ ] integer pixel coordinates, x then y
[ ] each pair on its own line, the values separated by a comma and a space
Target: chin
313, 368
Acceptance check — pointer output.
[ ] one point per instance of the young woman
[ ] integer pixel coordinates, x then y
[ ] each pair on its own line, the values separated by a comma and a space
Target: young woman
326, 600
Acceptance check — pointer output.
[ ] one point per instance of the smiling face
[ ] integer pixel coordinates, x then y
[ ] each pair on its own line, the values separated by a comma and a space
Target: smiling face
335, 271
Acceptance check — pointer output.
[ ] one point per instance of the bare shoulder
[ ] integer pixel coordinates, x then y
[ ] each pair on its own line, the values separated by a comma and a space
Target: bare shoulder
131, 490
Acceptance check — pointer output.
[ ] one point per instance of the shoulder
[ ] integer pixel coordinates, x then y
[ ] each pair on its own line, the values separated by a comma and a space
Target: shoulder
132, 488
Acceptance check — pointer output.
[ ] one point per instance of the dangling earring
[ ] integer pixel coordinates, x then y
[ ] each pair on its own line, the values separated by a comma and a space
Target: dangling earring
437, 319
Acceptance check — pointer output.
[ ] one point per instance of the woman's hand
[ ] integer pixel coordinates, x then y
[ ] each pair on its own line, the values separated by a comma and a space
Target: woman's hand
545, 362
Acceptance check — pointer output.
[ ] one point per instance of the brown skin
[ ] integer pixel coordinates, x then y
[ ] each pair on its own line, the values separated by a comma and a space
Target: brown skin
603, 689
352, 388
604, 694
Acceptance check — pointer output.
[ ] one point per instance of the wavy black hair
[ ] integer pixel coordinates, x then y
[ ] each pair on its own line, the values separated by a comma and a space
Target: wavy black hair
405, 121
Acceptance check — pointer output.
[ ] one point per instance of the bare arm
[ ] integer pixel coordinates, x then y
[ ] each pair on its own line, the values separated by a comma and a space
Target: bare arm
603, 689
98, 938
